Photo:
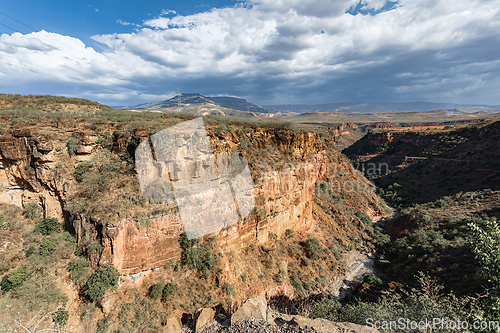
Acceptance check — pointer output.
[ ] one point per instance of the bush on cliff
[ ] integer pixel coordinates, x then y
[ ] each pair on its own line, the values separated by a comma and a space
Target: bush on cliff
72, 145
48, 226
196, 257
485, 242
60, 317
104, 278
14, 279
313, 248
171, 289
47, 246
156, 290
78, 269
33, 211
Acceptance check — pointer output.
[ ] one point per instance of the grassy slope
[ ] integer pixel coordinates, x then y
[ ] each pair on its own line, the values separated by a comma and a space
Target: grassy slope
453, 184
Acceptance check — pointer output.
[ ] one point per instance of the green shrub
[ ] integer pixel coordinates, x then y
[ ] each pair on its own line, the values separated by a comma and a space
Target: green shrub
60, 317
421, 219
33, 211
142, 220
373, 280
313, 248
102, 325
106, 141
156, 291
47, 246
229, 289
80, 171
79, 252
171, 289
104, 278
222, 128
336, 252
363, 217
197, 257
177, 266
3, 224
30, 250
380, 238
424, 303
289, 233
14, 279
48, 226
279, 277
67, 237
94, 247
441, 203
297, 284
72, 146
485, 242
78, 270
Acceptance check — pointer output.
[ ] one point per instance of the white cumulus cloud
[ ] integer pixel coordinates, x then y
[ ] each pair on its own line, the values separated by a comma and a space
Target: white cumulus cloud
284, 51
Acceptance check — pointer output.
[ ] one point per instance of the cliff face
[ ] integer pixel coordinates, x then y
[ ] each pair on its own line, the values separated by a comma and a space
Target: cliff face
348, 133
452, 142
27, 170
428, 165
284, 189
286, 167
414, 139
308, 203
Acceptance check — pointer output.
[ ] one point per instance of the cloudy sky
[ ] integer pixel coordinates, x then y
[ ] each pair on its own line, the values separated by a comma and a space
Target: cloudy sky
268, 51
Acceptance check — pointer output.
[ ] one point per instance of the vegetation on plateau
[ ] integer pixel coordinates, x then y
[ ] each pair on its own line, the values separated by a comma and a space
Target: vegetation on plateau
440, 257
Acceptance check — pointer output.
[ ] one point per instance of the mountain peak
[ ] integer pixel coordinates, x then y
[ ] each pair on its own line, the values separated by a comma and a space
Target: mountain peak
228, 102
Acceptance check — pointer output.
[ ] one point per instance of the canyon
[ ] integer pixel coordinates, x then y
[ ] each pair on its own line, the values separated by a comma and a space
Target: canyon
33, 159
81, 171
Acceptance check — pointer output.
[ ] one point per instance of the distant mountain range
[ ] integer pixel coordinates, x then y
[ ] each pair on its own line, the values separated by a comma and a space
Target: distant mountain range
354, 107
213, 105
185, 100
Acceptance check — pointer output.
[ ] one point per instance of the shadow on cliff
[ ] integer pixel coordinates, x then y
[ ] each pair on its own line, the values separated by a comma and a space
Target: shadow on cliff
419, 167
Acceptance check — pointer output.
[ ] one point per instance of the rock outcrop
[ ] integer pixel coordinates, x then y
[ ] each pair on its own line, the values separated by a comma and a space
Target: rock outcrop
81, 171
203, 318
287, 167
173, 324
255, 307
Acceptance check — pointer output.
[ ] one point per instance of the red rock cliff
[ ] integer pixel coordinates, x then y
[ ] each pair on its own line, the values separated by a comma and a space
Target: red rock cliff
286, 168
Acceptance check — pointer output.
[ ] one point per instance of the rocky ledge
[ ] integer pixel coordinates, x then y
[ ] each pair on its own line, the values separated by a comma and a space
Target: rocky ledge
254, 316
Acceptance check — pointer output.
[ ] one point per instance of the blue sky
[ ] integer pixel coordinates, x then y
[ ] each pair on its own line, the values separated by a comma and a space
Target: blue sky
83, 19
268, 51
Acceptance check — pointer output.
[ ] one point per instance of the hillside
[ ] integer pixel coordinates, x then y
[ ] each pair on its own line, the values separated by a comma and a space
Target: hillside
80, 246
467, 159
71, 208
238, 104
441, 247
216, 106
48, 103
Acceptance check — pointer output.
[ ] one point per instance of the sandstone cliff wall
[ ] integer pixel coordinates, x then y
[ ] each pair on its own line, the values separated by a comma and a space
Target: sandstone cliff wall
287, 167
